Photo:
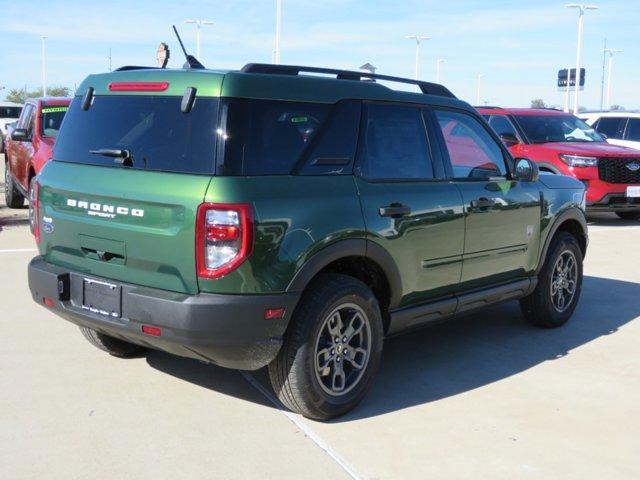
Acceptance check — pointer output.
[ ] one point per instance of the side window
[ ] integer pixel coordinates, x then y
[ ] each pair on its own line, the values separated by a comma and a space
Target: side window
333, 150
472, 151
633, 129
501, 125
25, 117
266, 137
612, 127
394, 144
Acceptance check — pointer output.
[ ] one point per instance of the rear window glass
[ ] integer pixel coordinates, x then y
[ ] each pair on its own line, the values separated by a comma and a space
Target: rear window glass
151, 128
52, 119
10, 112
265, 137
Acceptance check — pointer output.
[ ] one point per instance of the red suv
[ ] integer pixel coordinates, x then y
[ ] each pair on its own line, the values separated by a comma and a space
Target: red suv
562, 143
30, 145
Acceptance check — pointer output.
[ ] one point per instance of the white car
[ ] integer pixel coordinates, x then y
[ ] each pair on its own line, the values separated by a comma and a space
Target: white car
620, 127
9, 113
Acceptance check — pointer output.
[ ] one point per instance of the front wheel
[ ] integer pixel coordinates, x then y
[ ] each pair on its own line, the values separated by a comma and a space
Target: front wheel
559, 284
332, 349
629, 215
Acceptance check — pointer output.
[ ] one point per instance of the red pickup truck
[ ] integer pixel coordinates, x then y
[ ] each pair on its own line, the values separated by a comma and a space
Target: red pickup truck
30, 145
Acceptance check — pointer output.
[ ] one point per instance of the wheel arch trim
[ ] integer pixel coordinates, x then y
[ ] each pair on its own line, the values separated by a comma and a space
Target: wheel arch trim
570, 214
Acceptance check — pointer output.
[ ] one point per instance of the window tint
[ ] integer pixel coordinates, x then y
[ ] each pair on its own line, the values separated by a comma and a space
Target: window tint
472, 151
265, 137
633, 129
501, 125
612, 127
10, 112
332, 151
152, 128
52, 119
394, 144
557, 127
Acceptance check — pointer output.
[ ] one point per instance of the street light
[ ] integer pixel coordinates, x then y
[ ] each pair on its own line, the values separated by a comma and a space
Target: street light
438, 62
611, 52
44, 65
417, 38
198, 24
276, 50
480, 76
581, 8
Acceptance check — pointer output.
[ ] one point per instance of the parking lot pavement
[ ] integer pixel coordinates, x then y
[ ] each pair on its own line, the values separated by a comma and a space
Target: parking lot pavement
485, 396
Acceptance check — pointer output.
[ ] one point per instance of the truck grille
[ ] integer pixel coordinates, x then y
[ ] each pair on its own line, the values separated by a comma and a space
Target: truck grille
617, 170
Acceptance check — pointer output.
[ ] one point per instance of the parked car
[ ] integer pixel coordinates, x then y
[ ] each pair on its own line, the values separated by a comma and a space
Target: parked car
620, 128
30, 145
265, 217
9, 113
562, 143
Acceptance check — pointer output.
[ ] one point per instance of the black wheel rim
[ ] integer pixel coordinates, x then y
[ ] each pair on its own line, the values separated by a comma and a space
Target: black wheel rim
342, 349
564, 281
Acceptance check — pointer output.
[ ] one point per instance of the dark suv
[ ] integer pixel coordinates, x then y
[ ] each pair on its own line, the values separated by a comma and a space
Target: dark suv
268, 217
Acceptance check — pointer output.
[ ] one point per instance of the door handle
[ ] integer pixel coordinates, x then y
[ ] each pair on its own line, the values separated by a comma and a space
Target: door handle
482, 202
395, 210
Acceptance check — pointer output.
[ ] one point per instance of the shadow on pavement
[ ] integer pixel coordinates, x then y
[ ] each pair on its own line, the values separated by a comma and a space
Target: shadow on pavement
609, 220
456, 356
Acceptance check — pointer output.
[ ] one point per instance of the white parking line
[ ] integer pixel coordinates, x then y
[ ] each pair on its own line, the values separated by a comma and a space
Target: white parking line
301, 425
18, 250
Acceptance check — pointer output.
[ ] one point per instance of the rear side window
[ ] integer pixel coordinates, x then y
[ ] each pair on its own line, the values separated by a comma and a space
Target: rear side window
151, 128
612, 127
473, 153
394, 144
266, 137
633, 129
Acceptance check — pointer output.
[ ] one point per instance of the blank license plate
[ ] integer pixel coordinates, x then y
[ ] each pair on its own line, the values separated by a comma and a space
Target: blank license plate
101, 297
633, 192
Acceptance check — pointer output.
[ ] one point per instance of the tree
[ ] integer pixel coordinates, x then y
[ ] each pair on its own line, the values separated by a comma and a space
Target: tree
538, 103
20, 95
616, 107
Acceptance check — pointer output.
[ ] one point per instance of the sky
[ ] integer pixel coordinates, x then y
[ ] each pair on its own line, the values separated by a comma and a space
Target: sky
518, 46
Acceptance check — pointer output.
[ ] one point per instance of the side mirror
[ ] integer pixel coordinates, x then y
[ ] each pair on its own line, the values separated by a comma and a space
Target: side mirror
603, 135
509, 139
19, 134
526, 170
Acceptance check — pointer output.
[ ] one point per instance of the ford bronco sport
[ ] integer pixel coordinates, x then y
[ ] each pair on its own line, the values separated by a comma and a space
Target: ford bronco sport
275, 217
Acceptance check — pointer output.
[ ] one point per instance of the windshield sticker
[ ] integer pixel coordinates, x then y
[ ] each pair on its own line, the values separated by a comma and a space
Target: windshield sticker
54, 109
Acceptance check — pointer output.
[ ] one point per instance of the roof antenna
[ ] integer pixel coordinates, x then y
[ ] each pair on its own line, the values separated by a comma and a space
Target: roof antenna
192, 62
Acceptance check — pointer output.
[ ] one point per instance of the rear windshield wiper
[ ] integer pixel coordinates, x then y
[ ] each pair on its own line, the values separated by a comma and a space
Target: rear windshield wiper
122, 157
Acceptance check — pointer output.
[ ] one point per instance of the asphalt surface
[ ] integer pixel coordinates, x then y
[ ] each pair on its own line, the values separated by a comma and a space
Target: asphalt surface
484, 396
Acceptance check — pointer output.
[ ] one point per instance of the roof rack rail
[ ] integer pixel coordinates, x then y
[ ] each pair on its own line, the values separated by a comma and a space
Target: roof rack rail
134, 67
426, 87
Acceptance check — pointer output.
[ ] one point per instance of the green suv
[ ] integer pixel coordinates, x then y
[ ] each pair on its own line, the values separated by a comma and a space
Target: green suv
291, 217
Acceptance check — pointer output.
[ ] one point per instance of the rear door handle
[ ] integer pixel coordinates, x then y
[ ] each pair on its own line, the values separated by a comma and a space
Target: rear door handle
395, 210
482, 202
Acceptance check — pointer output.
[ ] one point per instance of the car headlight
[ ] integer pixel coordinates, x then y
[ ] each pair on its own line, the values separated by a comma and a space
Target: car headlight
579, 160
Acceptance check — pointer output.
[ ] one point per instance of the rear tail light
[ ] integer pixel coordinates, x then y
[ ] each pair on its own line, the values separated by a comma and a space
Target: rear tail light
224, 238
34, 210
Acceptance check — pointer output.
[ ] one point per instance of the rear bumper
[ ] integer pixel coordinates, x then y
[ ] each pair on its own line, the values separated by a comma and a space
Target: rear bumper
614, 202
227, 330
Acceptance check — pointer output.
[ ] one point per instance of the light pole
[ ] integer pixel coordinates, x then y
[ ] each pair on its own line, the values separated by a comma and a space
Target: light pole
198, 24
611, 52
276, 49
480, 75
581, 8
438, 62
418, 38
44, 66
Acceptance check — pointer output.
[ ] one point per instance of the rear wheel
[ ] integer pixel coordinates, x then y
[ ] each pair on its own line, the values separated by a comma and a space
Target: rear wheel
559, 284
113, 346
12, 196
629, 215
331, 350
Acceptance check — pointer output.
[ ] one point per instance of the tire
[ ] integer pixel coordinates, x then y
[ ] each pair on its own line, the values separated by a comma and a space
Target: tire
542, 307
113, 346
629, 215
324, 393
12, 196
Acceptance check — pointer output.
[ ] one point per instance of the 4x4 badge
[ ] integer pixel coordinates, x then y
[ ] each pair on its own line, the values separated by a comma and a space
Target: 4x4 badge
633, 166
